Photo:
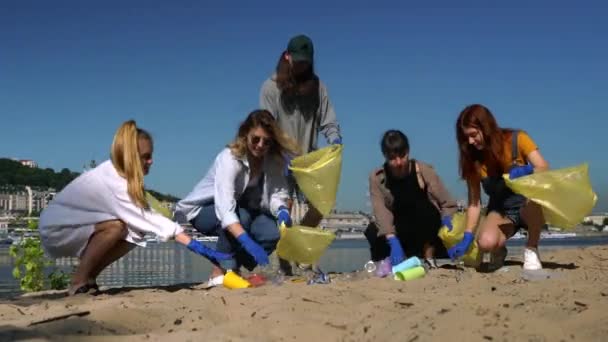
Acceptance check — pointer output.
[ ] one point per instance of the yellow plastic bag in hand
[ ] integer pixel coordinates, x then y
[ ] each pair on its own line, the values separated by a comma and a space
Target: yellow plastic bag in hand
565, 194
156, 206
473, 257
302, 244
318, 175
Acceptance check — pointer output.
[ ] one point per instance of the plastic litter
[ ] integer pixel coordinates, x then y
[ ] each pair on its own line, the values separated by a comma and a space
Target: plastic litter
383, 268
407, 264
370, 267
410, 273
265, 275
319, 277
234, 281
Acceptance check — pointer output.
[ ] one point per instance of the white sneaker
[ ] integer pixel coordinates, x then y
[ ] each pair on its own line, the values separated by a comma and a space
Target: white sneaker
213, 282
532, 259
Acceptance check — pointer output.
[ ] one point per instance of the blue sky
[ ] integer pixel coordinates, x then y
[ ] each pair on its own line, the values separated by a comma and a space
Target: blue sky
72, 72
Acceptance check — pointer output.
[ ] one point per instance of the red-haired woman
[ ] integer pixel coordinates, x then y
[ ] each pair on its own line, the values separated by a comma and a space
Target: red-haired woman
487, 151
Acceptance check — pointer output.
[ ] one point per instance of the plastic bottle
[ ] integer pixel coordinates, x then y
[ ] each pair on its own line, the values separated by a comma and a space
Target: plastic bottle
370, 267
407, 264
274, 277
383, 268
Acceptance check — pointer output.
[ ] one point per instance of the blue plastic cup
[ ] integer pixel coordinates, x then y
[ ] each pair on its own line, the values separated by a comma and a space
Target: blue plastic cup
407, 264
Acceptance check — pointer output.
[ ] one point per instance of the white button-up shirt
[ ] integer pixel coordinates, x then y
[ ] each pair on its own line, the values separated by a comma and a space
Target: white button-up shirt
100, 195
226, 181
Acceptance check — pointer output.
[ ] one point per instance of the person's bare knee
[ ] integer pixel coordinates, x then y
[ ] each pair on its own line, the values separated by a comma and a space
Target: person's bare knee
487, 240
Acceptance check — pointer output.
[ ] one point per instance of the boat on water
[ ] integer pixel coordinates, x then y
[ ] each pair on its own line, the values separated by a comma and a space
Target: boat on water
545, 235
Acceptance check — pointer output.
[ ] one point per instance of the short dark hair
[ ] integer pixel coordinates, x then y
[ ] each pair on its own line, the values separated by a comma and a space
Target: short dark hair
394, 142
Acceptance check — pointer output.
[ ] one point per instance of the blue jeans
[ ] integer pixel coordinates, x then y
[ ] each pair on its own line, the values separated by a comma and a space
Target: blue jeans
260, 226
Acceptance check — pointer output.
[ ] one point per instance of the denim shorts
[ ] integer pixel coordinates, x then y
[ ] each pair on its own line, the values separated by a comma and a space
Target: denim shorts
511, 209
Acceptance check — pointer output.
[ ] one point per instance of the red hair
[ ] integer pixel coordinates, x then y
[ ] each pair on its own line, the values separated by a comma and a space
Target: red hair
479, 117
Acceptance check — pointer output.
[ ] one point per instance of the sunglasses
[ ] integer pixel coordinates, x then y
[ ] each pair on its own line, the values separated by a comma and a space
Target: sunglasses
266, 142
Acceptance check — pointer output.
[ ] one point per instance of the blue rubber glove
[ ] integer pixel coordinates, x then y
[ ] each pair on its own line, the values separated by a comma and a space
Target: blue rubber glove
447, 221
209, 253
462, 247
284, 217
254, 249
520, 171
337, 141
397, 254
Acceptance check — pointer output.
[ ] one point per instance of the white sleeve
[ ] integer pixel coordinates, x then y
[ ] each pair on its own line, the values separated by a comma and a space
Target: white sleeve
224, 192
144, 221
277, 185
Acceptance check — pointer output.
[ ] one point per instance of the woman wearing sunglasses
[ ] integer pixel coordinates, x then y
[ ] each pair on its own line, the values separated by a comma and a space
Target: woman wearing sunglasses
243, 194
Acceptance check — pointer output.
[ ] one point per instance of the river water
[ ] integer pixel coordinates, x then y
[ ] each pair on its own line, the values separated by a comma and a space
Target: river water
170, 263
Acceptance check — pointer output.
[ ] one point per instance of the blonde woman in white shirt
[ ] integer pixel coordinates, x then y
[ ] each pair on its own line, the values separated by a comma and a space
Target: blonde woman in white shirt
101, 215
243, 197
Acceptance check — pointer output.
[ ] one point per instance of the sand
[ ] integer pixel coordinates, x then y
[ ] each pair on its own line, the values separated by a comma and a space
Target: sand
446, 305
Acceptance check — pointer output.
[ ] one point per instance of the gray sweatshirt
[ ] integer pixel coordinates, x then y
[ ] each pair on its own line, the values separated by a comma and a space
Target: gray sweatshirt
303, 132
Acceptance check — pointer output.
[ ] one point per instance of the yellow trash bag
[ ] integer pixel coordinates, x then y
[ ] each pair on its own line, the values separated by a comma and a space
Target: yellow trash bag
473, 257
302, 244
318, 174
565, 194
156, 206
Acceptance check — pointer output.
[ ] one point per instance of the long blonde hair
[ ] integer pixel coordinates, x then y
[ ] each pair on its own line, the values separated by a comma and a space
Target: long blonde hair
283, 144
126, 160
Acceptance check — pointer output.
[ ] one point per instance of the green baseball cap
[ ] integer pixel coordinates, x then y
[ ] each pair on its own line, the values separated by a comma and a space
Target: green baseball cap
301, 49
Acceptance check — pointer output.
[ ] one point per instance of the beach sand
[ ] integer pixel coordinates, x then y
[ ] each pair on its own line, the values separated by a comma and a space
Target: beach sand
446, 305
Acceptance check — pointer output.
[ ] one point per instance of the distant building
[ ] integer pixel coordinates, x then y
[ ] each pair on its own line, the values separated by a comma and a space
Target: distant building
25, 199
596, 219
4, 223
355, 222
28, 163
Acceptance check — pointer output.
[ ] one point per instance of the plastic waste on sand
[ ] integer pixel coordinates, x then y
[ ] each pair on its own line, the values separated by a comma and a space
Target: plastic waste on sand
565, 194
383, 268
268, 274
318, 176
318, 277
234, 281
369, 267
408, 263
472, 257
302, 244
410, 273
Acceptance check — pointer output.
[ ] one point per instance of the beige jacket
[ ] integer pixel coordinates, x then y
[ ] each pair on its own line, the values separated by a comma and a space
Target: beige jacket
382, 199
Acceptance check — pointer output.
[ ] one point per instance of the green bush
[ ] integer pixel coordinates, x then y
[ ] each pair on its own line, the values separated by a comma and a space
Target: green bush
30, 264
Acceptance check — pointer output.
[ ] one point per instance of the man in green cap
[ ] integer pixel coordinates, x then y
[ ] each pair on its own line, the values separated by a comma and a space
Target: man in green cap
299, 101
